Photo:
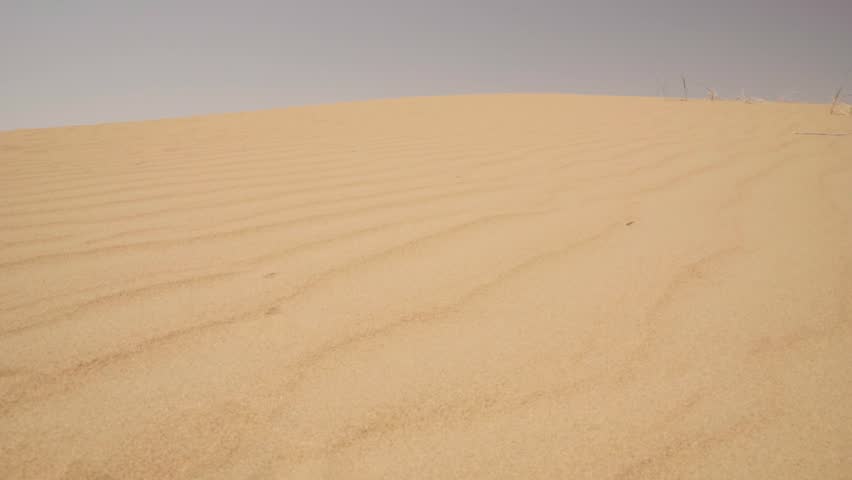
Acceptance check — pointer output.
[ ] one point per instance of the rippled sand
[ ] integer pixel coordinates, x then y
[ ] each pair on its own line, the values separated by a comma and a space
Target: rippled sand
503, 286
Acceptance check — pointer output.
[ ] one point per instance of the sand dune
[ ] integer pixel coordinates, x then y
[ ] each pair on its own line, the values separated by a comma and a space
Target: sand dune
504, 286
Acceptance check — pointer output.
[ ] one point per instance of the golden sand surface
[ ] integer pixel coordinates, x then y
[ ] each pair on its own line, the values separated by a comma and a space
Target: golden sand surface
491, 286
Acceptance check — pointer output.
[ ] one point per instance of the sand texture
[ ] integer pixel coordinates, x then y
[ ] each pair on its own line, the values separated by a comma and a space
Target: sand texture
495, 286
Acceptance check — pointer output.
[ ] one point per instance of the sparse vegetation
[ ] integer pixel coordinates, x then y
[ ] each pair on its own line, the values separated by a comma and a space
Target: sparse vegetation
840, 104
835, 103
748, 99
711, 94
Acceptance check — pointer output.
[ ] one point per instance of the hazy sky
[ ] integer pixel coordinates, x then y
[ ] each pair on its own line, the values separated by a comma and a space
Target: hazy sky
90, 61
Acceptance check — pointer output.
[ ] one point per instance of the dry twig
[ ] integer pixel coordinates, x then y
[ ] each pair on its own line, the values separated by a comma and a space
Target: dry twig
836, 99
711, 94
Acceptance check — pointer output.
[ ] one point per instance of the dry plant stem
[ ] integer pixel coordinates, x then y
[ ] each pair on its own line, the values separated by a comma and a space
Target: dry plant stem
836, 99
821, 133
712, 94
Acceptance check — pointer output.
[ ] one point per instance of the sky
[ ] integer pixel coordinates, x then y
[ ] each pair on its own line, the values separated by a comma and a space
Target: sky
66, 62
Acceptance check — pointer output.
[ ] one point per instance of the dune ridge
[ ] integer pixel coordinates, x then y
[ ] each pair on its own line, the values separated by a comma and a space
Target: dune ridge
489, 286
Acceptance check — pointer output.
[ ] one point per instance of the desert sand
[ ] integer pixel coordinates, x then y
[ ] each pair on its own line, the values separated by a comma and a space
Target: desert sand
494, 286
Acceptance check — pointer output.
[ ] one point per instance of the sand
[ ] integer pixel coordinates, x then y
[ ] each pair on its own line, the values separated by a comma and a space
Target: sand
496, 286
